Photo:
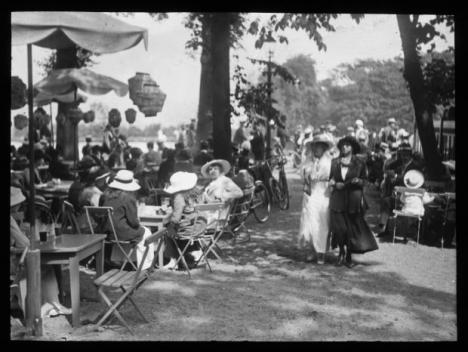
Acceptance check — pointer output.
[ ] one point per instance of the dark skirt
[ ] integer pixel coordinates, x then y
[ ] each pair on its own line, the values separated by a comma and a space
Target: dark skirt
353, 231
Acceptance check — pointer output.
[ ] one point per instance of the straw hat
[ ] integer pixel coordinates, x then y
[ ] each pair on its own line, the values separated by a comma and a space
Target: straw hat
413, 179
320, 138
16, 196
181, 181
124, 181
391, 120
225, 166
359, 123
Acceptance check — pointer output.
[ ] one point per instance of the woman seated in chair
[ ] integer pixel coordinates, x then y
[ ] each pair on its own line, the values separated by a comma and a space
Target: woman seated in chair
221, 188
184, 197
49, 288
120, 195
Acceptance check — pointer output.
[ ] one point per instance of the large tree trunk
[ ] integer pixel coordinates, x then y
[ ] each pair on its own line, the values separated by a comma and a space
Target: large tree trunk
67, 133
205, 103
414, 76
221, 75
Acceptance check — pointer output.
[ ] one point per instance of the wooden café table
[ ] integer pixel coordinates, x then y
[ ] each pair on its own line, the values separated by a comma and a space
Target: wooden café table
50, 190
150, 217
70, 250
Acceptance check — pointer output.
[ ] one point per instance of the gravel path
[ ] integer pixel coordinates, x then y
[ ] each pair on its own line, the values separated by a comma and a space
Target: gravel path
267, 292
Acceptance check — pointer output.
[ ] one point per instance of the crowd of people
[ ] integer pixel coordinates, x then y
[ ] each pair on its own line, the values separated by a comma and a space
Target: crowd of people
114, 174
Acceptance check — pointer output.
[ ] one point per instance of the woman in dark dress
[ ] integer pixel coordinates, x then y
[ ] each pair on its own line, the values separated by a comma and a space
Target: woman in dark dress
347, 204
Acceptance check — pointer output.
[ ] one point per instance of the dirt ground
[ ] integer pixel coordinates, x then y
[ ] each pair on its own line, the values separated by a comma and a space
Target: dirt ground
265, 291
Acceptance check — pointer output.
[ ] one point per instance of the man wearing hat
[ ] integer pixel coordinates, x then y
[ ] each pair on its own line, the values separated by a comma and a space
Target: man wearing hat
362, 134
120, 195
388, 133
86, 150
394, 170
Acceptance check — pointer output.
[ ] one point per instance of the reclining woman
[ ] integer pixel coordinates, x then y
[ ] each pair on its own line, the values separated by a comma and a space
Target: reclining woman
120, 195
221, 188
184, 197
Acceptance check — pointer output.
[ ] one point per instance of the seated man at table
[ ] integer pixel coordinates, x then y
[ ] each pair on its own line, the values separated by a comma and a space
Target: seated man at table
84, 191
120, 195
38, 162
49, 288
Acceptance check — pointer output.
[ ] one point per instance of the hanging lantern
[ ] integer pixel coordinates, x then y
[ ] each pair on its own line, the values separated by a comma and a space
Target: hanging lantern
130, 115
18, 93
21, 121
88, 116
60, 119
114, 118
75, 115
146, 94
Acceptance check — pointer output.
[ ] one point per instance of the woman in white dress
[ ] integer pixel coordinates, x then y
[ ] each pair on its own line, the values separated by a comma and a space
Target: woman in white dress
314, 226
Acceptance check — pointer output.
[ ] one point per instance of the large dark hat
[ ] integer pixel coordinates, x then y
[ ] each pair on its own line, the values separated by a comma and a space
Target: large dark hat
351, 141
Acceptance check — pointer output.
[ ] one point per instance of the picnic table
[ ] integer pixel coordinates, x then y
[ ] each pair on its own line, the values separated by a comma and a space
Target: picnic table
70, 250
151, 216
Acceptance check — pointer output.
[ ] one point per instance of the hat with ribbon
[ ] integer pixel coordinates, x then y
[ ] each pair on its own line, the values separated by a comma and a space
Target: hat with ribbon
223, 164
413, 179
181, 181
124, 181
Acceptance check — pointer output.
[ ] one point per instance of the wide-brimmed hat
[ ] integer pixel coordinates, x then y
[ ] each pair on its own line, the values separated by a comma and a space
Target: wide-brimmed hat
351, 141
181, 181
413, 179
320, 138
359, 122
225, 166
124, 181
16, 196
391, 120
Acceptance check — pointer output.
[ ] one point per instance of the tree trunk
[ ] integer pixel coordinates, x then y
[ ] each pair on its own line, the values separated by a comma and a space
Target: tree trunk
205, 103
67, 133
414, 76
221, 89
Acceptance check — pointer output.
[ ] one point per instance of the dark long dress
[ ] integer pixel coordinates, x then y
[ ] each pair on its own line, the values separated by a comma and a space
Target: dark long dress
347, 208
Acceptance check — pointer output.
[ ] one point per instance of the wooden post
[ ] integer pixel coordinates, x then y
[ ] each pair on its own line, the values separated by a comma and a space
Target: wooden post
33, 259
33, 292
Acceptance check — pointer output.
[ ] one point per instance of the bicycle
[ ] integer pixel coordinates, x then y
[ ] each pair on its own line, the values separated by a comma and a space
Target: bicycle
278, 185
260, 204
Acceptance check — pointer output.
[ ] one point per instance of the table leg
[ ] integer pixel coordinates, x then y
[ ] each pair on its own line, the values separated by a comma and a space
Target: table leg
161, 254
75, 290
100, 261
58, 275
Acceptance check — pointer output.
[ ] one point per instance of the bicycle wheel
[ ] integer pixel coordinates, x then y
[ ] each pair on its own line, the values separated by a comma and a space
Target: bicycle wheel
284, 202
261, 207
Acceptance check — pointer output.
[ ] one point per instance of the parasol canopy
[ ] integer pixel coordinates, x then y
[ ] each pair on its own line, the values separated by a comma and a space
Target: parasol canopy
93, 31
44, 98
67, 80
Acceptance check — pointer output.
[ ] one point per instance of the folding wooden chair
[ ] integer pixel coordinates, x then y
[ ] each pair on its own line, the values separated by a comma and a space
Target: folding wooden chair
199, 230
128, 282
69, 220
239, 213
102, 216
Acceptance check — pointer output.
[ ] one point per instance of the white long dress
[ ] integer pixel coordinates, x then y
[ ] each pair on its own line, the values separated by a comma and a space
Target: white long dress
315, 215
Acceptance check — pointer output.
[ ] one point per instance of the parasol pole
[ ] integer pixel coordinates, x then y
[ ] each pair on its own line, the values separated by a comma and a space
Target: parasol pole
33, 257
51, 126
75, 135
